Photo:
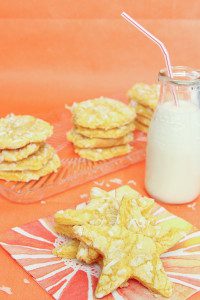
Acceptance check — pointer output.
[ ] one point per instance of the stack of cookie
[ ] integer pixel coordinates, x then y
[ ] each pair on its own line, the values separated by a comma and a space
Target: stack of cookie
103, 128
24, 155
144, 98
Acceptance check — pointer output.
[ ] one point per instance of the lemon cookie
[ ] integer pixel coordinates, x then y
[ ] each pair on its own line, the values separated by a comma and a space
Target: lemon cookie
145, 94
106, 134
143, 120
120, 227
100, 210
165, 234
141, 127
18, 154
34, 162
67, 250
103, 113
17, 131
52, 166
125, 255
81, 141
66, 230
144, 111
102, 154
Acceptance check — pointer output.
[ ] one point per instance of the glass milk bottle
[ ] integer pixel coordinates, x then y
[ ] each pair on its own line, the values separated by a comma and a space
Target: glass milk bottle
173, 147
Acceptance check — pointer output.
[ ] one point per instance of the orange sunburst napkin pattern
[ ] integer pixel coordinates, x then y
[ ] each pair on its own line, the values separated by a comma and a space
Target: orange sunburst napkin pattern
31, 246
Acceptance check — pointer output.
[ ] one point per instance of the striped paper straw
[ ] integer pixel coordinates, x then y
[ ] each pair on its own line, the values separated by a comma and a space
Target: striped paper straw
156, 41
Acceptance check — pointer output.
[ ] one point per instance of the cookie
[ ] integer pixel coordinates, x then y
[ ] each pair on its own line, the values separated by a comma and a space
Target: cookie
125, 255
144, 111
18, 154
76, 217
106, 205
25, 176
67, 250
87, 254
17, 131
145, 203
117, 132
157, 236
141, 127
81, 141
143, 266
104, 153
121, 227
34, 162
102, 209
171, 232
165, 234
102, 113
65, 230
147, 95
143, 120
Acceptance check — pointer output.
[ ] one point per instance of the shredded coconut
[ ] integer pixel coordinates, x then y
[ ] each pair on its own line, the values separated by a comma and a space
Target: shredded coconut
131, 182
112, 263
103, 207
96, 191
81, 205
116, 180
139, 246
132, 223
192, 206
79, 230
6, 289
83, 196
121, 272
83, 252
99, 183
26, 280
137, 261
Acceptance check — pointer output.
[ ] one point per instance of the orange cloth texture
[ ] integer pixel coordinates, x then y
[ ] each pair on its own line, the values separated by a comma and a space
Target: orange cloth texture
58, 52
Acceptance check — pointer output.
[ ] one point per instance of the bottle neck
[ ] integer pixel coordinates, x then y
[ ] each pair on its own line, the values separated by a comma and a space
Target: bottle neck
185, 85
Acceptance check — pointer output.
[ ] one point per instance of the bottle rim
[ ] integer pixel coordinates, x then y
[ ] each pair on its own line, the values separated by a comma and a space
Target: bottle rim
182, 75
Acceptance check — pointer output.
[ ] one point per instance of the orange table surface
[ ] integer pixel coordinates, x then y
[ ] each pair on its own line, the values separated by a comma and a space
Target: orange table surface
12, 275
57, 52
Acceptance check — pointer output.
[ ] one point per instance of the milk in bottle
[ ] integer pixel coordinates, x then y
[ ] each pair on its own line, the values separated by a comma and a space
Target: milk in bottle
173, 148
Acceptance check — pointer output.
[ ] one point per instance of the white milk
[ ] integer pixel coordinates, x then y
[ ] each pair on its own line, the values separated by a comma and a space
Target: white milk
173, 153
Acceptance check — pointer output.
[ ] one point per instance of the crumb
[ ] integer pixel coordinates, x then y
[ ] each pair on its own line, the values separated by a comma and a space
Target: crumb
26, 280
81, 205
99, 183
107, 185
116, 180
131, 182
83, 196
43, 202
6, 289
192, 206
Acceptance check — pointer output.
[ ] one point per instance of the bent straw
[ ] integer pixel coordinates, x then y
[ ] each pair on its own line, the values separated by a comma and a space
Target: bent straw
156, 41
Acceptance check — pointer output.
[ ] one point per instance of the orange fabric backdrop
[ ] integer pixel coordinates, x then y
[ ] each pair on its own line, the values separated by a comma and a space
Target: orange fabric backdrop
57, 51
53, 52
